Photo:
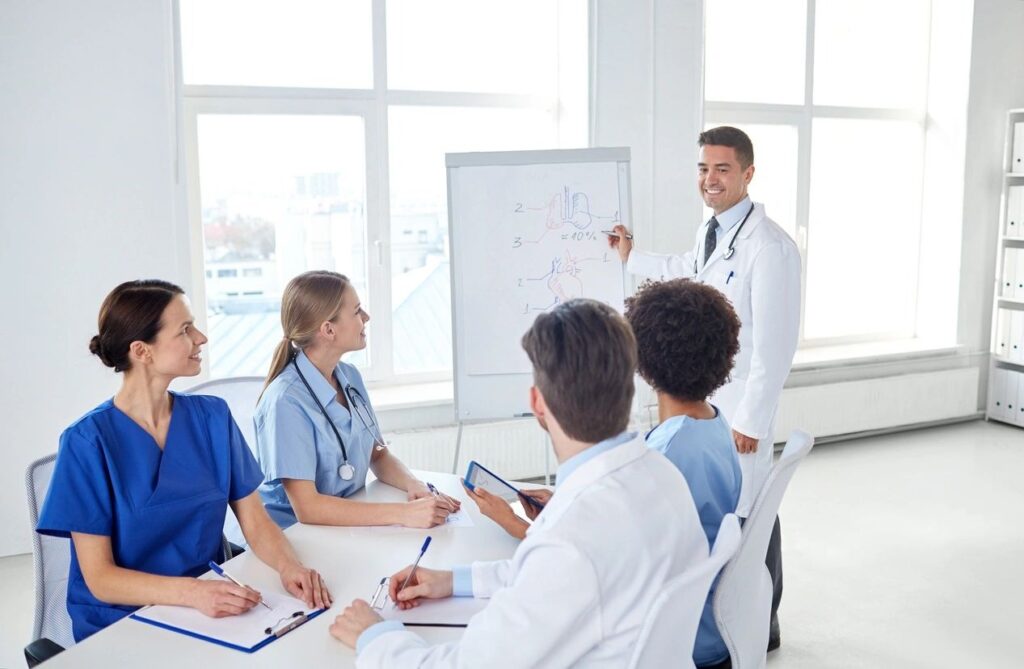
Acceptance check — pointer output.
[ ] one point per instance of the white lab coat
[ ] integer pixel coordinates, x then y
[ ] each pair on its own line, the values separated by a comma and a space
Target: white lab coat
576, 590
765, 292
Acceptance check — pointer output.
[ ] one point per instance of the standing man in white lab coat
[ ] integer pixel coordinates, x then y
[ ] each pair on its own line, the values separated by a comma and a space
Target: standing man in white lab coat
620, 524
749, 258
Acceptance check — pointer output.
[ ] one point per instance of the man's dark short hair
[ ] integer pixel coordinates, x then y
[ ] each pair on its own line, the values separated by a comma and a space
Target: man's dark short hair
584, 359
726, 135
687, 337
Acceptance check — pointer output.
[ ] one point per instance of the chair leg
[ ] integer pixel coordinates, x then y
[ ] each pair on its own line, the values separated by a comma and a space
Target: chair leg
41, 650
773, 560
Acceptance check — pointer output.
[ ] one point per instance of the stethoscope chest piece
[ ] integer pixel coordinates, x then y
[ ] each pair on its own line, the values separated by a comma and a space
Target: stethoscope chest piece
347, 472
728, 252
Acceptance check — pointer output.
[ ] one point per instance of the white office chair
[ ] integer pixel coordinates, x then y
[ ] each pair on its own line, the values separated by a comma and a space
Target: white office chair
743, 598
669, 630
51, 558
241, 393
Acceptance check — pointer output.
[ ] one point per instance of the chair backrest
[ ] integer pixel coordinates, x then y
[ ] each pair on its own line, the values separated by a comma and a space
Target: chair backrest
51, 559
669, 630
241, 393
743, 598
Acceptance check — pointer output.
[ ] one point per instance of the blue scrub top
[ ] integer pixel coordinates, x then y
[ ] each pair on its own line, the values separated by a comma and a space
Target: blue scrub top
295, 441
703, 451
163, 509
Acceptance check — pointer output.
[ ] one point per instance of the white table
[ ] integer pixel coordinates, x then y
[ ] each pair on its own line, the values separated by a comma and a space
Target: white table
352, 560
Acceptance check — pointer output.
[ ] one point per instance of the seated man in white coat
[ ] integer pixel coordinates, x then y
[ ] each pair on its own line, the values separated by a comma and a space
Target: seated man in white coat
620, 524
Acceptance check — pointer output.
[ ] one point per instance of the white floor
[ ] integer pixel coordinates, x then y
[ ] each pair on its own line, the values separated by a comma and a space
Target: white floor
906, 551
900, 551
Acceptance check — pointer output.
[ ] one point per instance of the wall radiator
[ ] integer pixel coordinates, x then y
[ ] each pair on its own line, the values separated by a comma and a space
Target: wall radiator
519, 449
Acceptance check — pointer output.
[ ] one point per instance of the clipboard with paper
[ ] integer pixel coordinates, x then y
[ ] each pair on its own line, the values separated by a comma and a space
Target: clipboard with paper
247, 632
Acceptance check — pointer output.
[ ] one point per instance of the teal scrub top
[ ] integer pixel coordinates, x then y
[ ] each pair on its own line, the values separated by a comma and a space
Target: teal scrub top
163, 509
295, 441
703, 451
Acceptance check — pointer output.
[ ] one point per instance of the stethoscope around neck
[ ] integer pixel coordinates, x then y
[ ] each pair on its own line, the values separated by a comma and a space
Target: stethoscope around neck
357, 405
731, 248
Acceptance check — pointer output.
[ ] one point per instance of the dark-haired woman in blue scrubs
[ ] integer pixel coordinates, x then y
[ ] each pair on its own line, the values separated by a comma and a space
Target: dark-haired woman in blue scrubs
143, 481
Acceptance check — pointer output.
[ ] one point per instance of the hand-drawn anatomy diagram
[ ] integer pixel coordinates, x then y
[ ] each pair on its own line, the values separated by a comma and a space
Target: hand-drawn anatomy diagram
564, 220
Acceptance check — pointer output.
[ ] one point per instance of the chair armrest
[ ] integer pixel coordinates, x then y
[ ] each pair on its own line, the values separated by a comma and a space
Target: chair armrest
41, 650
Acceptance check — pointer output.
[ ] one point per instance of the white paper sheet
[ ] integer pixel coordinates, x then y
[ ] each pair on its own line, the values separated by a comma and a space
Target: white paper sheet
460, 518
246, 630
448, 611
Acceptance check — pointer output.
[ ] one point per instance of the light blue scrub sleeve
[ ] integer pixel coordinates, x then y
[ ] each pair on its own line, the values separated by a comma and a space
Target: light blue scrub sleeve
286, 442
246, 475
79, 497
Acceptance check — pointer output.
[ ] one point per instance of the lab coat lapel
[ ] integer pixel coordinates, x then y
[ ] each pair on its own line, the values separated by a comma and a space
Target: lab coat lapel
587, 474
756, 217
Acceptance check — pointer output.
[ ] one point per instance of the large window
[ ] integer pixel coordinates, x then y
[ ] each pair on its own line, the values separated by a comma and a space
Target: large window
834, 97
316, 135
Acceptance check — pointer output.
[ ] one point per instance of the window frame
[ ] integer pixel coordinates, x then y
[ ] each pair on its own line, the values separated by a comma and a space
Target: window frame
802, 116
372, 105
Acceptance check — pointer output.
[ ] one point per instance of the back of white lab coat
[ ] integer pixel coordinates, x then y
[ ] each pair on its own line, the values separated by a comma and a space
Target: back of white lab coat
577, 588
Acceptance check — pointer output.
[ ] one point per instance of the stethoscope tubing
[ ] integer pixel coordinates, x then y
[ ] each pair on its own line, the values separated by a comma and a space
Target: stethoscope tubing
731, 248
334, 428
355, 398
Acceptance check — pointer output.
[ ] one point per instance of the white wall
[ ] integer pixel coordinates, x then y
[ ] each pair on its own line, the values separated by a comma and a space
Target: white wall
87, 200
647, 93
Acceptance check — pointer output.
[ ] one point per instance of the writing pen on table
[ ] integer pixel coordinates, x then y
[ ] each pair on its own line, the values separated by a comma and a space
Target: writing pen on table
223, 574
612, 233
426, 542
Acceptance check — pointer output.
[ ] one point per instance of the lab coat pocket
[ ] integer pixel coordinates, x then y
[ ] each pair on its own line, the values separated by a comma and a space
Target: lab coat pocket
727, 280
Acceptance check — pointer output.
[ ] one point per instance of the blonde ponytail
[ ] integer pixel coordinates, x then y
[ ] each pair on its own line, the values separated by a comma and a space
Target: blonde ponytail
308, 300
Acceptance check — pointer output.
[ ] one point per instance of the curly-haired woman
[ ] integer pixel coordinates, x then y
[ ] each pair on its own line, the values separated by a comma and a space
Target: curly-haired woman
687, 337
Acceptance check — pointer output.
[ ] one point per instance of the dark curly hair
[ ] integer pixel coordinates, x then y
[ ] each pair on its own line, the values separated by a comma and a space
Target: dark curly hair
687, 336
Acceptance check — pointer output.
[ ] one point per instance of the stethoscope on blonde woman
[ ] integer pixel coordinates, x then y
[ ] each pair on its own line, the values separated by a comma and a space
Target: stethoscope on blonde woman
360, 407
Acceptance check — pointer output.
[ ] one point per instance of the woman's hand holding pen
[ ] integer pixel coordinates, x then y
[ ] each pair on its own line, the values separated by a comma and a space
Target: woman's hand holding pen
424, 584
219, 599
306, 584
425, 512
419, 490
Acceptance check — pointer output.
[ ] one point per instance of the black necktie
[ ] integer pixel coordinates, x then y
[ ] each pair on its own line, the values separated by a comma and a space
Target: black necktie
710, 239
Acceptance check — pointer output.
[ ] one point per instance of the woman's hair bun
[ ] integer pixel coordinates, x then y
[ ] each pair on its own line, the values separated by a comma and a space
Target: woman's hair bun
95, 347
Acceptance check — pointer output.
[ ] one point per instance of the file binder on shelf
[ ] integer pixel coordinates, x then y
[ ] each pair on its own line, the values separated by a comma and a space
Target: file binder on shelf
1006, 369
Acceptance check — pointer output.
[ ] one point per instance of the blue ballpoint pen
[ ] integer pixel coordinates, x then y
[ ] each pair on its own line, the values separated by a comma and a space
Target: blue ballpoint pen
426, 542
223, 574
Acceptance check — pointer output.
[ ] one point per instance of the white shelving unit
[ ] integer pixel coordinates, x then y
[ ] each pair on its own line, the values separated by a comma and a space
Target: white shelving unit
1006, 371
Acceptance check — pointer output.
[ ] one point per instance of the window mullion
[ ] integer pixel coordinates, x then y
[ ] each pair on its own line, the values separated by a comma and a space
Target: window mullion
379, 215
803, 189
